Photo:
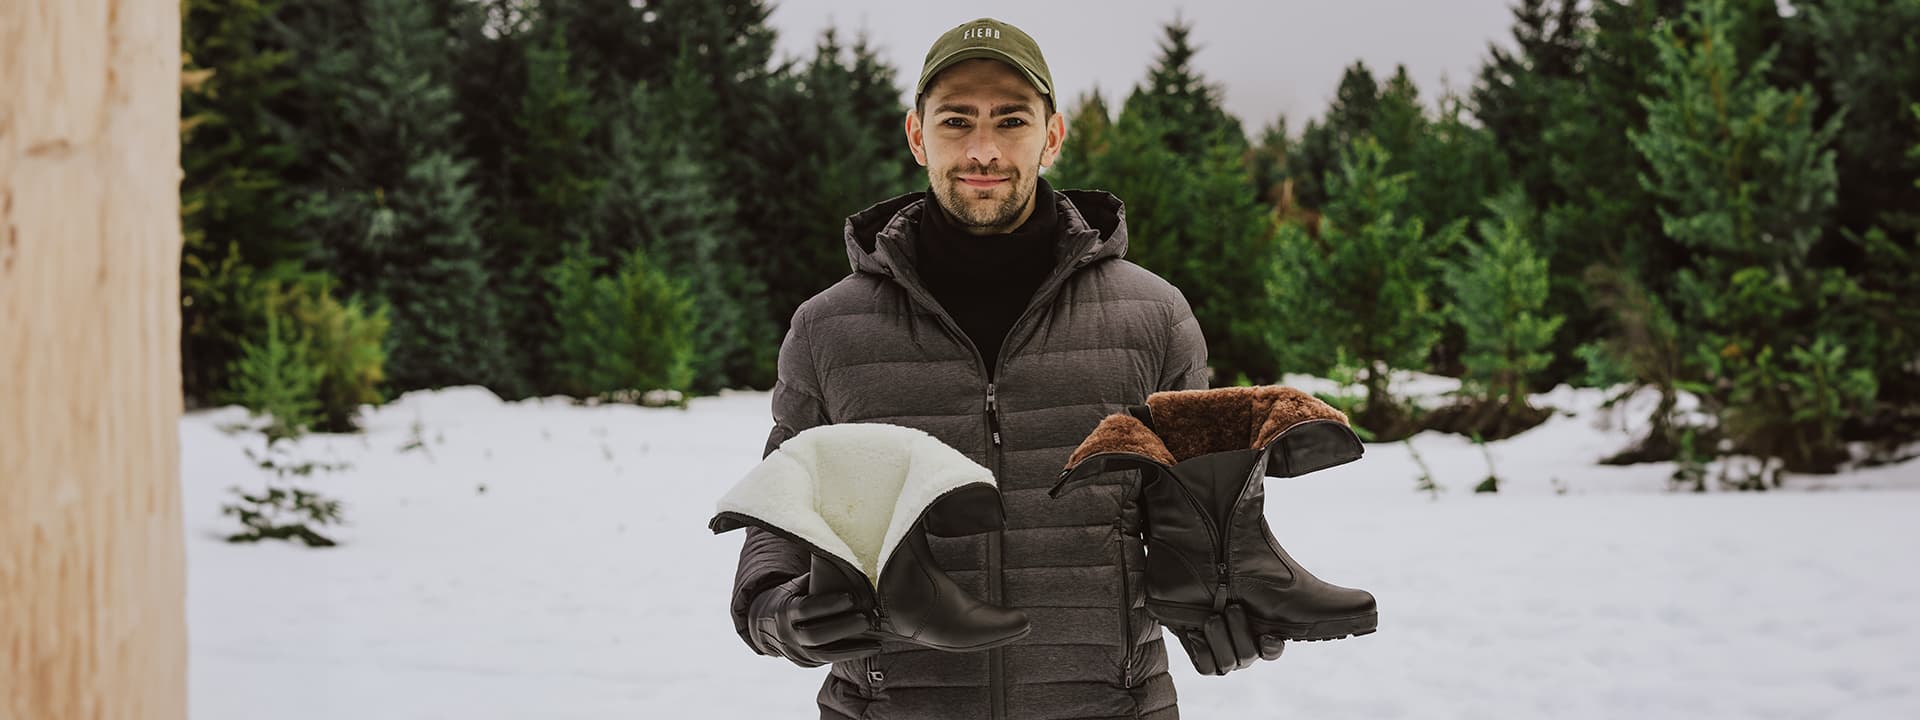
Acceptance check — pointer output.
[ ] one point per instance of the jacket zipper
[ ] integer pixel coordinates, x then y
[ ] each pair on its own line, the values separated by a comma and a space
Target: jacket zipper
993, 417
996, 657
996, 661
1126, 608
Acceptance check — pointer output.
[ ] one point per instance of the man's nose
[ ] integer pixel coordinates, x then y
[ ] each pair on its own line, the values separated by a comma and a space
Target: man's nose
982, 149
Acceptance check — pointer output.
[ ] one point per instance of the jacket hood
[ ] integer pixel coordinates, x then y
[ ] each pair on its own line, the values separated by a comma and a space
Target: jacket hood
1093, 227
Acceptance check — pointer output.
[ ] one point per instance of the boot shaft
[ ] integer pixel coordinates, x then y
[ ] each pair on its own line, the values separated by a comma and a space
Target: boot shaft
916, 601
1207, 530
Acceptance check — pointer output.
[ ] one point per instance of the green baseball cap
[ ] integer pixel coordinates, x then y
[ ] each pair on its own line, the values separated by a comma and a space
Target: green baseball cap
992, 39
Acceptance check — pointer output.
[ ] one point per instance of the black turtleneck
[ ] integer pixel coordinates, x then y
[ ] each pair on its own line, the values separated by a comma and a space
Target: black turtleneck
986, 281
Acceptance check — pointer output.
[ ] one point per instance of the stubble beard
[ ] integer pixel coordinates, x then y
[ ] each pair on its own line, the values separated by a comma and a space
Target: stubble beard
962, 203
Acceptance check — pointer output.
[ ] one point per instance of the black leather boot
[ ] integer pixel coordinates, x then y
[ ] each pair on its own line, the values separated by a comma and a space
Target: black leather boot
1208, 540
915, 601
844, 515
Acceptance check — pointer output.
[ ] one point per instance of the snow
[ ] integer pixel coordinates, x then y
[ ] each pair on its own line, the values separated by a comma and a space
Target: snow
546, 559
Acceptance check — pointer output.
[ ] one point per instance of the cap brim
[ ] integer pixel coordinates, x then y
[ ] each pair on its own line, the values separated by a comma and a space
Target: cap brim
976, 52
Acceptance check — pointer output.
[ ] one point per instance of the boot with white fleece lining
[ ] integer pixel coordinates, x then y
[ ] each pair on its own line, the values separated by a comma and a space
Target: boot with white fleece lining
863, 497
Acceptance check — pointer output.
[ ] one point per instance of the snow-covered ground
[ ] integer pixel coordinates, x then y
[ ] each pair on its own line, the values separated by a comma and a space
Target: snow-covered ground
547, 560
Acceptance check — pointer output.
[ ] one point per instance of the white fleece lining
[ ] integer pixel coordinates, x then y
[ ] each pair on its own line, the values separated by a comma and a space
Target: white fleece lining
853, 489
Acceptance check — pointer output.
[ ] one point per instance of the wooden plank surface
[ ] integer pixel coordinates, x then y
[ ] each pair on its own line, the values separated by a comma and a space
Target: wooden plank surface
92, 580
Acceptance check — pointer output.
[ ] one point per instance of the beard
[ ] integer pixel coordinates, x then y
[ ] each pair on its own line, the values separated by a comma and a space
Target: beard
978, 209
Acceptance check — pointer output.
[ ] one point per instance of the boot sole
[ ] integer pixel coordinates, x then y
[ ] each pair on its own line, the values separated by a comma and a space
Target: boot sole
1335, 629
1196, 616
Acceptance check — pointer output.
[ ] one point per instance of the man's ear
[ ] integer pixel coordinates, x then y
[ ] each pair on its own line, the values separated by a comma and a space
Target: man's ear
1056, 137
916, 141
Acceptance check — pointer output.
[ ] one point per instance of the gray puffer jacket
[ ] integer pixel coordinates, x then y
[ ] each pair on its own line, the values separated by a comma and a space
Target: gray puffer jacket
1101, 333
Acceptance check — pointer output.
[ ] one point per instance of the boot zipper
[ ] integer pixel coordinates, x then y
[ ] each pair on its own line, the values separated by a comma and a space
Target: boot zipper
1257, 474
1220, 590
1214, 533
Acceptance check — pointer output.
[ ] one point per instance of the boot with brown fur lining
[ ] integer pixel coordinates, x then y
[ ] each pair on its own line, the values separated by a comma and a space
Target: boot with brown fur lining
1202, 456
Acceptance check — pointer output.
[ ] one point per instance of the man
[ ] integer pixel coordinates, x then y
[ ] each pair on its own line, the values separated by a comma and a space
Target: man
997, 315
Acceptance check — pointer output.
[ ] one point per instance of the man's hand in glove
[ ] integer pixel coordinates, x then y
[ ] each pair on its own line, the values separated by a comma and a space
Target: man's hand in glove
1227, 643
807, 629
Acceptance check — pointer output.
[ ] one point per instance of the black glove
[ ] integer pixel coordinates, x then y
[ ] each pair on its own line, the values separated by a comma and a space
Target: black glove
809, 630
1227, 643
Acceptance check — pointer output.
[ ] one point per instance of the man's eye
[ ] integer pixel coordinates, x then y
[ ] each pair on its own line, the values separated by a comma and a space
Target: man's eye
954, 122
1013, 122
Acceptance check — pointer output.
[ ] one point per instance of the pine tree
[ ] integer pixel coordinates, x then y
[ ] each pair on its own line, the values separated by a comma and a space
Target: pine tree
1640, 348
1399, 122
1351, 116
1267, 166
759, 161
236, 218
1182, 103
614, 44
553, 181
1746, 182
395, 208
629, 330
663, 197
1192, 217
630, 126
1366, 283
1457, 166
1089, 138
1356, 104
1868, 61
1865, 61
1499, 293
1603, 217
489, 41
278, 377
839, 151
1516, 90
1113, 156
348, 342
1881, 322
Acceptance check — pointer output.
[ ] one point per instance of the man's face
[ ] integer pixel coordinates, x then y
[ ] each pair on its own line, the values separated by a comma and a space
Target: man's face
983, 140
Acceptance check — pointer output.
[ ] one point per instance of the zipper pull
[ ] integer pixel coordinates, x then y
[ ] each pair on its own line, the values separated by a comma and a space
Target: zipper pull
993, 416
1220, 592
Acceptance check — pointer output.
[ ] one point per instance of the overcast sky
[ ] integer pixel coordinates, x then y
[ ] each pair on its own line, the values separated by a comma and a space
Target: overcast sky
1270, 57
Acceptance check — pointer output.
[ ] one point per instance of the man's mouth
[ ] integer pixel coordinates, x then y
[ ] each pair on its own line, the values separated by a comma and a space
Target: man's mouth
982, 181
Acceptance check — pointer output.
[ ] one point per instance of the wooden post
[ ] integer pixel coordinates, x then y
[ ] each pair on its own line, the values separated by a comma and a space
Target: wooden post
92, 578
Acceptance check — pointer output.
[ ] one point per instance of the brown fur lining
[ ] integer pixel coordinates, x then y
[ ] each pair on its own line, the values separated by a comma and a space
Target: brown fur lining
1121, 433
1191, 423
1198, 422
